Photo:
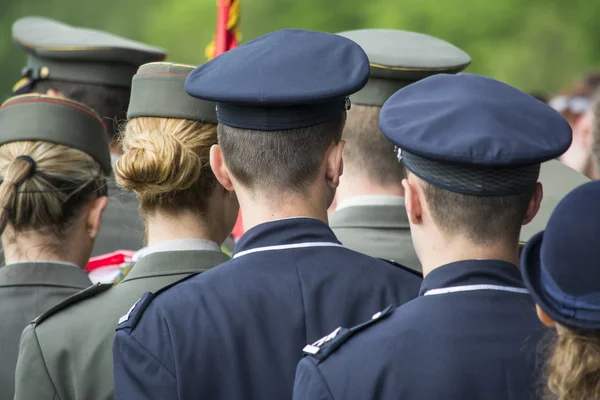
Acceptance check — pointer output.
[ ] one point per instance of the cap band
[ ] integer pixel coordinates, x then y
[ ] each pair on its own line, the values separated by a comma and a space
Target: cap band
472, 180
54, 120
583, 308
280, 118
377, 91
162, 94
95, 73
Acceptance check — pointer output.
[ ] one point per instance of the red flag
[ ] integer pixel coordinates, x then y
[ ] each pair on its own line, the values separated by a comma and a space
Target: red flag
227, 35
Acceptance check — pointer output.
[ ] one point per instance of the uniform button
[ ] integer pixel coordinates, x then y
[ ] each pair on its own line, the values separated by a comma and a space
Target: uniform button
44, 72
376, 315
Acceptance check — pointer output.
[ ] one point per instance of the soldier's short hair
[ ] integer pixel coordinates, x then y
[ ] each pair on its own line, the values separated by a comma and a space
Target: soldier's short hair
481, 219
287, 160
367, 151
110, 102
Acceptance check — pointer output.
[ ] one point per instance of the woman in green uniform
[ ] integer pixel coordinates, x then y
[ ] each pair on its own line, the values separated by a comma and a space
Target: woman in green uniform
54, 160
166, 145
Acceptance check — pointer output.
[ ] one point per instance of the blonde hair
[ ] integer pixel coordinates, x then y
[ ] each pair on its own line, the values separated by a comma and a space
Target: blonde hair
47, 193
165, 162
573, 368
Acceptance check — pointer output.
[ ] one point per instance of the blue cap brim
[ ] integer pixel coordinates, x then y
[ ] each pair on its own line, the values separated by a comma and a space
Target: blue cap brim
531, 271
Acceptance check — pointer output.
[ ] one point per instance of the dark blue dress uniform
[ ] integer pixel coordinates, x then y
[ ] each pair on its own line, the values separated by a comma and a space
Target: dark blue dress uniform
237, 332
473, 332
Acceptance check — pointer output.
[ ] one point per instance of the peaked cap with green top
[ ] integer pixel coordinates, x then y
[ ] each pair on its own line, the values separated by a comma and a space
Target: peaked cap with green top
66, 53
158, 91
36, 117
399, 58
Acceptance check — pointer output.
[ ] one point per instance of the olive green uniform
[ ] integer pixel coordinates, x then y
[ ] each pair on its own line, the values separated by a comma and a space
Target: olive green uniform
378, 230
27, 290
66, 353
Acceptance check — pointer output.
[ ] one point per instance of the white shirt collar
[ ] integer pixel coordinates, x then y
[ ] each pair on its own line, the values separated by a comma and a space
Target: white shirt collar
177, 245
45, 262
371, 200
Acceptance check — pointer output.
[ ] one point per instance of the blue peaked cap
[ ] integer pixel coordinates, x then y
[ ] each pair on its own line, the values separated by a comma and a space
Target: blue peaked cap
473, 135
287, 79
560, 265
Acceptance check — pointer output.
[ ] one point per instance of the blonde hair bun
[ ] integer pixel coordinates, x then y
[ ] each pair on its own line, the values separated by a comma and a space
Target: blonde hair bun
157, 163
163, 156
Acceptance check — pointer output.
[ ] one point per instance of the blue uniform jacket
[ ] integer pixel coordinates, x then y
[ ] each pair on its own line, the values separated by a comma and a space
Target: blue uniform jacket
237, 331
472, 334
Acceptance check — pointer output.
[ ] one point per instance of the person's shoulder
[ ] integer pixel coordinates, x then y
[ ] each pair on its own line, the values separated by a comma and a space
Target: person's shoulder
71, 303
403, 269
384, 338
389, 267
344, 341
129, 321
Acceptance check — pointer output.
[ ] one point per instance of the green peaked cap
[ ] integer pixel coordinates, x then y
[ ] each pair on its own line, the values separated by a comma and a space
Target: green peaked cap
399, 58
66, 53
558, 180
35, 117
158, 91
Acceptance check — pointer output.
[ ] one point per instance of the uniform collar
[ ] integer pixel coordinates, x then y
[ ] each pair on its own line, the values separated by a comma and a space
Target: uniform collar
177, 245
299, 231
371, 200
44, 273
165, 263
473, 272
391, 216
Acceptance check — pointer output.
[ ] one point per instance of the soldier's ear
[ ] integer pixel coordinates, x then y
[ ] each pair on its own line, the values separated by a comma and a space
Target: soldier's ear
413, 198
96, 207
219, 168
534, 204
335, 164
544, 318
55, 93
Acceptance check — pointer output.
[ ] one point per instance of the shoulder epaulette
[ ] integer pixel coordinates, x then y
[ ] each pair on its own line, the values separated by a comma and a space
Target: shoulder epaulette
322, 348
76, 298
397, 264
133, 316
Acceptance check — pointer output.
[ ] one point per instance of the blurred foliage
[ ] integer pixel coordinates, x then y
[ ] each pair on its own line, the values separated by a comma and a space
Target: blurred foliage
532, 44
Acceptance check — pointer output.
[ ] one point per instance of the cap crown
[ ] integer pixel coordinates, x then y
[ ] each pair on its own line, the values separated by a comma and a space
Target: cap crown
158, 91
569, 251
55, 120
287, 67
474, 121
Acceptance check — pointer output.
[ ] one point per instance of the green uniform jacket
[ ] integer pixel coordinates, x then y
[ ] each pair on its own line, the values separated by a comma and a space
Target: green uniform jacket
380, 231
121, 227
67, 353
27, 290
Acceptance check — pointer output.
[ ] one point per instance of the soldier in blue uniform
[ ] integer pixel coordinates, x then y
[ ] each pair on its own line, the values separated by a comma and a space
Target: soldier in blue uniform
472, 147
560, 268
237, 331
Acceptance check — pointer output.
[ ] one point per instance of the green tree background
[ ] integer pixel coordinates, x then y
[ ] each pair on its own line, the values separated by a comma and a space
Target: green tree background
532, 44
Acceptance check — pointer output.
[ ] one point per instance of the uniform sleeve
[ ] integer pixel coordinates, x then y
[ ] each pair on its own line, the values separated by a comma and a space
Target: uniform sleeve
309, 383
138, 373
31, 368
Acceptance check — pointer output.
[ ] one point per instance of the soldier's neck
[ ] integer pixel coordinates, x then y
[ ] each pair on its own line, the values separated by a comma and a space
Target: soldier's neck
440, 254
352, 185
258, 209
162, 227
36, 246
